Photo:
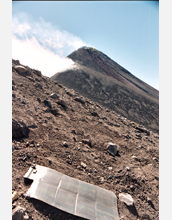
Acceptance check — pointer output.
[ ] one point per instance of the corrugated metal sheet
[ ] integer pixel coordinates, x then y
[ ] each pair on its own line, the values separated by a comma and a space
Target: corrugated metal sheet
71, 195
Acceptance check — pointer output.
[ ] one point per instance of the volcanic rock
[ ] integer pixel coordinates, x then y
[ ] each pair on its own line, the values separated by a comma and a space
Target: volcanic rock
37, 72
20, 69
112, 149
47, 102
18, 213
62, 102
78, 99
65, 144
19, 129
86, 141
83, 165
54, 96
126, 198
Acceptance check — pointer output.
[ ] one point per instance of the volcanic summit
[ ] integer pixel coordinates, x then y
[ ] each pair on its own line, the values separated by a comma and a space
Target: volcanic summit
102, 80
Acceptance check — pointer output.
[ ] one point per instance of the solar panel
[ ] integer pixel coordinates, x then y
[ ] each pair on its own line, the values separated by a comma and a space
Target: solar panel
71, 195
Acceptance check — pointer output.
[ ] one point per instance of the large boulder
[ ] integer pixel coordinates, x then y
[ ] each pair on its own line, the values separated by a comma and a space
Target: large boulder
18, 213
19, 129
20, 69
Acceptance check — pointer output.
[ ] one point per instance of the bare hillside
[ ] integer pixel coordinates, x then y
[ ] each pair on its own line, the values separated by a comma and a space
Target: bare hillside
102, 80
58, 128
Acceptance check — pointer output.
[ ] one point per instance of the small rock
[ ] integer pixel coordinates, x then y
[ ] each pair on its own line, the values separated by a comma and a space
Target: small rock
73, 132
25, 217
83, 165
47, 102
148, 199
86, 141
126, 198
143, 130
134, 157
150, 202
110, 168
113, 149
150, 164
15, 195
38, 73
14, 205
138, 136
91, 171
79, 167
78, 99
62, 103
65, 144
154, 158
145, 216
24, 158
95, 114
18, 213
54, 96
31, 79
119, 171
132, 187
23, 195
70, 93
102, 179
38, 99
38, 85
127, 168
23, 102
140, 147
37, 145
69, 162
54, 111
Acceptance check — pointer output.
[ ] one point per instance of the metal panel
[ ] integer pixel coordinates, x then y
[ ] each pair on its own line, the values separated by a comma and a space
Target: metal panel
71, 195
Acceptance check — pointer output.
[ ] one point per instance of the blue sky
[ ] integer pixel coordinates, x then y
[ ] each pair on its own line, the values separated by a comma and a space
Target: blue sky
44, 33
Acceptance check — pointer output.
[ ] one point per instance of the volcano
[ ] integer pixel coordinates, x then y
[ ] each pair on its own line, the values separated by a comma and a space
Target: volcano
99, 78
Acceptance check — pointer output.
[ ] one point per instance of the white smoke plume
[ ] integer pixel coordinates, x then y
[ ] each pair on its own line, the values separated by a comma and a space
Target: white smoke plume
40, 45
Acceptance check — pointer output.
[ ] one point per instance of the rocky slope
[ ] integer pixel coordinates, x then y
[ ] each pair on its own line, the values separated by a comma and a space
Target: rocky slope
99, 78
58, 128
